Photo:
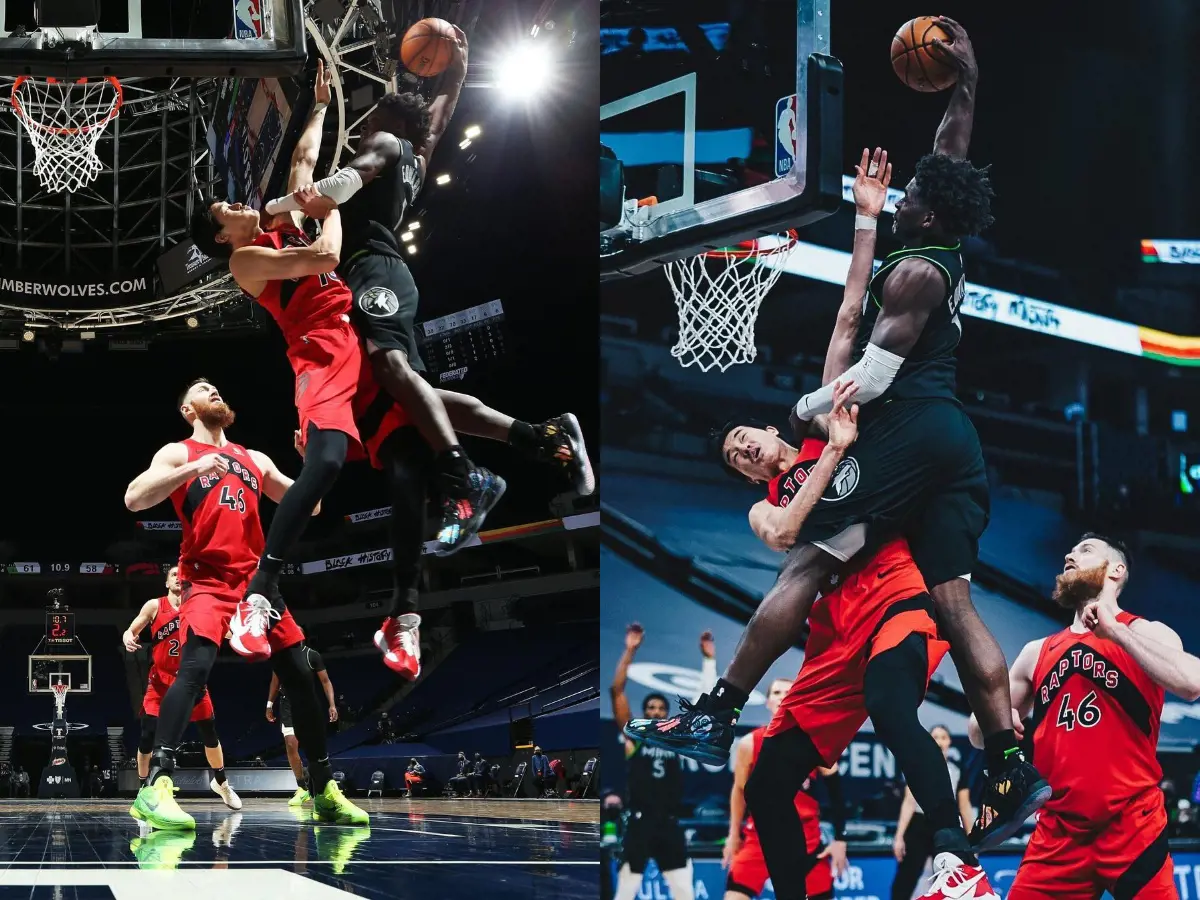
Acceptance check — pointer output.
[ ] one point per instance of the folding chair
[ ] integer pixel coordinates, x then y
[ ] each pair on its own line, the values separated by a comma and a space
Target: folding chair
376, 787
589, 773
518, 777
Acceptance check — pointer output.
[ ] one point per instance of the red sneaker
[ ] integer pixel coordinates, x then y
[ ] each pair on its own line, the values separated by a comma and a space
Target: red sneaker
953, 879
400, 640
249, 625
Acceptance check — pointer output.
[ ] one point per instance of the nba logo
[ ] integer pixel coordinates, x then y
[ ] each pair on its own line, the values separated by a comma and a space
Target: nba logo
247, 19
785, 135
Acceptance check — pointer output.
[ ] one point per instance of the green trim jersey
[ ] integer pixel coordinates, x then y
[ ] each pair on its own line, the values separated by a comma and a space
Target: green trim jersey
930, 369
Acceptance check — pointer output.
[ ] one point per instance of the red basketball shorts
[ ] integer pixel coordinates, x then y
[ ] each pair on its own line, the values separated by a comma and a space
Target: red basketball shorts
1127, 857
376, 415
156, 689
748, 874
327, 363
848, 629
209, 604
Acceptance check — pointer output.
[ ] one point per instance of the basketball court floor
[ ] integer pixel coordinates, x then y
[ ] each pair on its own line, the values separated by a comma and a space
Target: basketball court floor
419, 850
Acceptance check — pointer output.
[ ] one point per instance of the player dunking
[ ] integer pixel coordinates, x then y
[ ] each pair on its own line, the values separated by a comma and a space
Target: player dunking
1096, 693
917, 468
161, 614
743, 855
375, 191
215, 486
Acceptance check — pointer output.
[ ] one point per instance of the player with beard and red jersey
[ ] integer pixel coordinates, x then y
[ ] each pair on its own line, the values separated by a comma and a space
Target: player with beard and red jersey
215, 486
161, 615
743, 855
1096, 692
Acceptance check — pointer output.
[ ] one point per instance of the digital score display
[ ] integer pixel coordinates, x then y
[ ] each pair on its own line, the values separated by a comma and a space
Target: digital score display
452, 344
62, 568
60, 628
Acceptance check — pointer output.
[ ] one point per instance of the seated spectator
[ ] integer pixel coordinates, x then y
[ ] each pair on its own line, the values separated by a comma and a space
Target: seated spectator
477, 778
540, 765
459, 782
414, 775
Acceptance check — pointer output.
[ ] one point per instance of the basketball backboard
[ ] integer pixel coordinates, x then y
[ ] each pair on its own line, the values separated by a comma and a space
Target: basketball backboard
729, 115
45, 671
139, 38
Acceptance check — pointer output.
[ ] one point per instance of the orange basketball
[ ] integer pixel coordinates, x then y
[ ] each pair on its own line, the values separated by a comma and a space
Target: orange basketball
428, 47
916, 61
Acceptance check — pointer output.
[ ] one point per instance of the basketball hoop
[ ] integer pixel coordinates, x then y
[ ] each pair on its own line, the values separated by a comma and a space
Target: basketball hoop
718, 295
64, 121
60, 698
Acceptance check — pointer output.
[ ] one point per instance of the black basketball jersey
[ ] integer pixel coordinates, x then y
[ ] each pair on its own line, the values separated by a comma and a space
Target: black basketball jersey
373, 217
655, 782
929, 369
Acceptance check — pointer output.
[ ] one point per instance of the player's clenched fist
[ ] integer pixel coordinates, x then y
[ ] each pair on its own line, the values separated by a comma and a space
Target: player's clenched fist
212, 464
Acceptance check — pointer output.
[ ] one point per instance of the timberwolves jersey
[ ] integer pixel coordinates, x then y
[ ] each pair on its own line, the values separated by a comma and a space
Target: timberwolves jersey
655, 782
372, 218
929, 368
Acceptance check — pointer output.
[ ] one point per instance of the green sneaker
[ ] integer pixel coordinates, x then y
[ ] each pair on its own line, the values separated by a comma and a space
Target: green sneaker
331, 805
155, 805
301, 797
337, 846
161, 849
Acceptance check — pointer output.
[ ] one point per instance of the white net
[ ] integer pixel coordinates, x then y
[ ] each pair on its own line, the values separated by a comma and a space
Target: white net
718, 295
64, 120
60, 699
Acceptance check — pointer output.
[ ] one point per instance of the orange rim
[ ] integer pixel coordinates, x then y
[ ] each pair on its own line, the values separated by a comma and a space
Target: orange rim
750, 249
30, 123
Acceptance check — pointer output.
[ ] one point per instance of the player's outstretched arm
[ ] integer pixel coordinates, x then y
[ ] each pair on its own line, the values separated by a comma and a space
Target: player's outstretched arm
953, 136
743, 756
1020, 688
1154, 646
144, 617
633, 639
308, 147
168, 470
274, 483
441, 110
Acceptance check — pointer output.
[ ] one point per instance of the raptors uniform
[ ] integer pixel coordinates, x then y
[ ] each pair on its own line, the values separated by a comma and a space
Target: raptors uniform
1096, 716
164, 662
857, 617
655, 797
222, 543
313, 312
748, 874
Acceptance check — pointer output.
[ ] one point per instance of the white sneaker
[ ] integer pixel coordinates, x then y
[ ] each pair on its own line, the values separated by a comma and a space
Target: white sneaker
953, 879
399, 639
226, 793
248, 627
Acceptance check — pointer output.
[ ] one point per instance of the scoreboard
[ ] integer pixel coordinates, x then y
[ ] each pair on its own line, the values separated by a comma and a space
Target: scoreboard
62, 568
60, 628
452, 344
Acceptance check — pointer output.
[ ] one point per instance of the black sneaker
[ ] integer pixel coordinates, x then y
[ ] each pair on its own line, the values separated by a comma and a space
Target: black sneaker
463, 515
560, 441
703, 735
1009, 798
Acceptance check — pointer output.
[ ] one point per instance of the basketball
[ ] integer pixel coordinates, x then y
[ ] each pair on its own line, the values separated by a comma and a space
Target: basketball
916, 61
428, 47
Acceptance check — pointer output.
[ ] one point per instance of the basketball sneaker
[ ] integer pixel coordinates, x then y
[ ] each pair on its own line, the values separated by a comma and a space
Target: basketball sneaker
161, 849
227, 794
249, 625
399, 638
465, 507
301, 797
954, 879
1009, 798
560, 441
331, 805
694, 731
155, 804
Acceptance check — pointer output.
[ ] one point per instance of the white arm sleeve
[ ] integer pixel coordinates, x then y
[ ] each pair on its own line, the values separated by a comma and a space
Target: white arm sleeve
339, 187
708, 674
873, 374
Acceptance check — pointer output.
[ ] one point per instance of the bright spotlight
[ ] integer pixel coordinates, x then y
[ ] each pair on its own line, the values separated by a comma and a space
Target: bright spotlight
413, 226
526, 71
27, 336
407, 236
473, 131
443, 179
463, 145
193, 322
412, 248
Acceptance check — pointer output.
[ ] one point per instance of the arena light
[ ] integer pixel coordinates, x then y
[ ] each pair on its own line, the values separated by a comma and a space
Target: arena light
413, 226
473, 131
525, 71
412, 248
193, 322
27, 336
463, 145
443, 179
407, 236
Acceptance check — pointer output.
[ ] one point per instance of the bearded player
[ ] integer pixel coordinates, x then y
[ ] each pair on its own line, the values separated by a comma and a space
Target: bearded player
918, 466
215, 486
375, 191
1096, 693
743, 855
161, 614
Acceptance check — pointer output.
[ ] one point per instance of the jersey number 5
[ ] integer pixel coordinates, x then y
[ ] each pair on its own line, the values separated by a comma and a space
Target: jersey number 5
1087, 714
236, 503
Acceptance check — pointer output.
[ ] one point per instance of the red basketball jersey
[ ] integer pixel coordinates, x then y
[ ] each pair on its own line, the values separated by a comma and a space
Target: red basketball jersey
302, 304
782, 489
222, 533
806, 804
164, 631
1096, 714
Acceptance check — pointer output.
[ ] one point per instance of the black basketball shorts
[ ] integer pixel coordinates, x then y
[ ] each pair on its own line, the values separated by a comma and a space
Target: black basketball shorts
283, 714
660, 839
916, 469
385, 303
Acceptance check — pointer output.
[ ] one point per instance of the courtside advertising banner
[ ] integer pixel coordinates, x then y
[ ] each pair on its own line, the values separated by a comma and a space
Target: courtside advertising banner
49, 291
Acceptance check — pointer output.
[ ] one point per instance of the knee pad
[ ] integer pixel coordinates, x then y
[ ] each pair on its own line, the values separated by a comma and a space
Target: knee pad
146, 738
208, 732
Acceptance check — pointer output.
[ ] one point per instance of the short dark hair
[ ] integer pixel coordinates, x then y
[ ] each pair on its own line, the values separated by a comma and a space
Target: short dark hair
1116, 543
716, 441
410, 110
654, 695
187, 390
959, 194
205, 228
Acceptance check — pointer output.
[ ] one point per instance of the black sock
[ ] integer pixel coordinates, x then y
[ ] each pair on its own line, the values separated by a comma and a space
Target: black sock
320, 773
305, 779
162, 762
1000, 750
454, 469
952, 840
219, 775
524, 437
404, 601
726, 696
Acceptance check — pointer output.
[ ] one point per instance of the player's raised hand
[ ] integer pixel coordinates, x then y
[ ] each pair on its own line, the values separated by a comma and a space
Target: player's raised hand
874, 174
634, 635
958, 51
843, 421
1101, 617
130, 641
212, 464
315, 204
322, 92
458, 63
708, 646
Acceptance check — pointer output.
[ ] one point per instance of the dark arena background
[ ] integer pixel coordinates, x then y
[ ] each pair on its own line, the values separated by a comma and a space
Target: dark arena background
107, 310
1077, 363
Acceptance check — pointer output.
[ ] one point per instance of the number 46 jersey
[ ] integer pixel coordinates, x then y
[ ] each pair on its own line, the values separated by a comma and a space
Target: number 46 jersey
1096, 716
222, 533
